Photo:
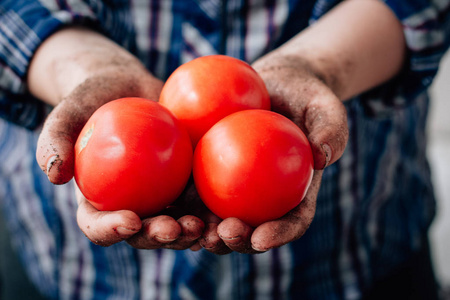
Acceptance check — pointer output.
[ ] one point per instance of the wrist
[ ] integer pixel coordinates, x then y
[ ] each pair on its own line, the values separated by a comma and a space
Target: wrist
63, 64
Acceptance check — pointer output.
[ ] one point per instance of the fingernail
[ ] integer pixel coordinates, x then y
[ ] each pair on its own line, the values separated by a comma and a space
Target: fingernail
327, 150
231, 240
125, 232
50, 162
258, 249
164, 240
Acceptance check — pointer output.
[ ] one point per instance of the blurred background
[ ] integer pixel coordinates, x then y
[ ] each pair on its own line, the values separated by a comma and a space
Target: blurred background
439, 156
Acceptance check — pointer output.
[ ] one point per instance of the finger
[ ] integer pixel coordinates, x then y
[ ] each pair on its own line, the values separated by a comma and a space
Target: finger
171, 236
325, 120
196, 246
212, 242
236, 235
106, 228
292, 226
191, 230
157, 232
209, 240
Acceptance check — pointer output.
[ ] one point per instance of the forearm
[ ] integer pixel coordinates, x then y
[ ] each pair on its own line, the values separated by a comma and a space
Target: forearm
355, 47
75, 56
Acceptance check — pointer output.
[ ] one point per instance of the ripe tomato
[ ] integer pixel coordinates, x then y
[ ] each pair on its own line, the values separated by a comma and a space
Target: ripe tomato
255, 165
206, 89
132, 154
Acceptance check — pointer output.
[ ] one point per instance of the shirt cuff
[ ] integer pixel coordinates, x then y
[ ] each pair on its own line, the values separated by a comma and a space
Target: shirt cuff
24, 25
426, 27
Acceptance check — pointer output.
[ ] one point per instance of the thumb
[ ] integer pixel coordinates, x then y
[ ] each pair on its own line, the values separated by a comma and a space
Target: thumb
327, 130
55, 147
297, 93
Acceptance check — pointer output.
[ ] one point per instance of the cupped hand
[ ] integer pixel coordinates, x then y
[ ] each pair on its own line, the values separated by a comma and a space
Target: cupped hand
77, 78
56, 156
232, 234
299, 94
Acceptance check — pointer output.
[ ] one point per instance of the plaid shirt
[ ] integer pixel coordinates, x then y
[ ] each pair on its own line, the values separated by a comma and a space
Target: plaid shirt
374, 207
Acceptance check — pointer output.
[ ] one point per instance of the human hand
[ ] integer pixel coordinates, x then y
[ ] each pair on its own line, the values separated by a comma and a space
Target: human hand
299, 94
107, 228
339, 57
77, 78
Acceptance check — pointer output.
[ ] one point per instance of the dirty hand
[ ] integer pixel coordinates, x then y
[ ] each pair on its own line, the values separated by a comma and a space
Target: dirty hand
298, 94
77, 78
308, 77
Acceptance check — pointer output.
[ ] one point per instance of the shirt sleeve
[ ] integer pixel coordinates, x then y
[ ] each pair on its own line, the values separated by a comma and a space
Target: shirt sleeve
24, 24
426, 27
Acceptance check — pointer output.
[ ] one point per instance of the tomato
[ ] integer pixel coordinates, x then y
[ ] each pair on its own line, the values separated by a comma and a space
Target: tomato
206, 89
132, 154
255, 165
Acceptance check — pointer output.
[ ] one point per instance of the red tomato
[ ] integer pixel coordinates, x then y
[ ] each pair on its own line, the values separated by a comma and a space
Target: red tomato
206, 89
255, 165
132, 154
